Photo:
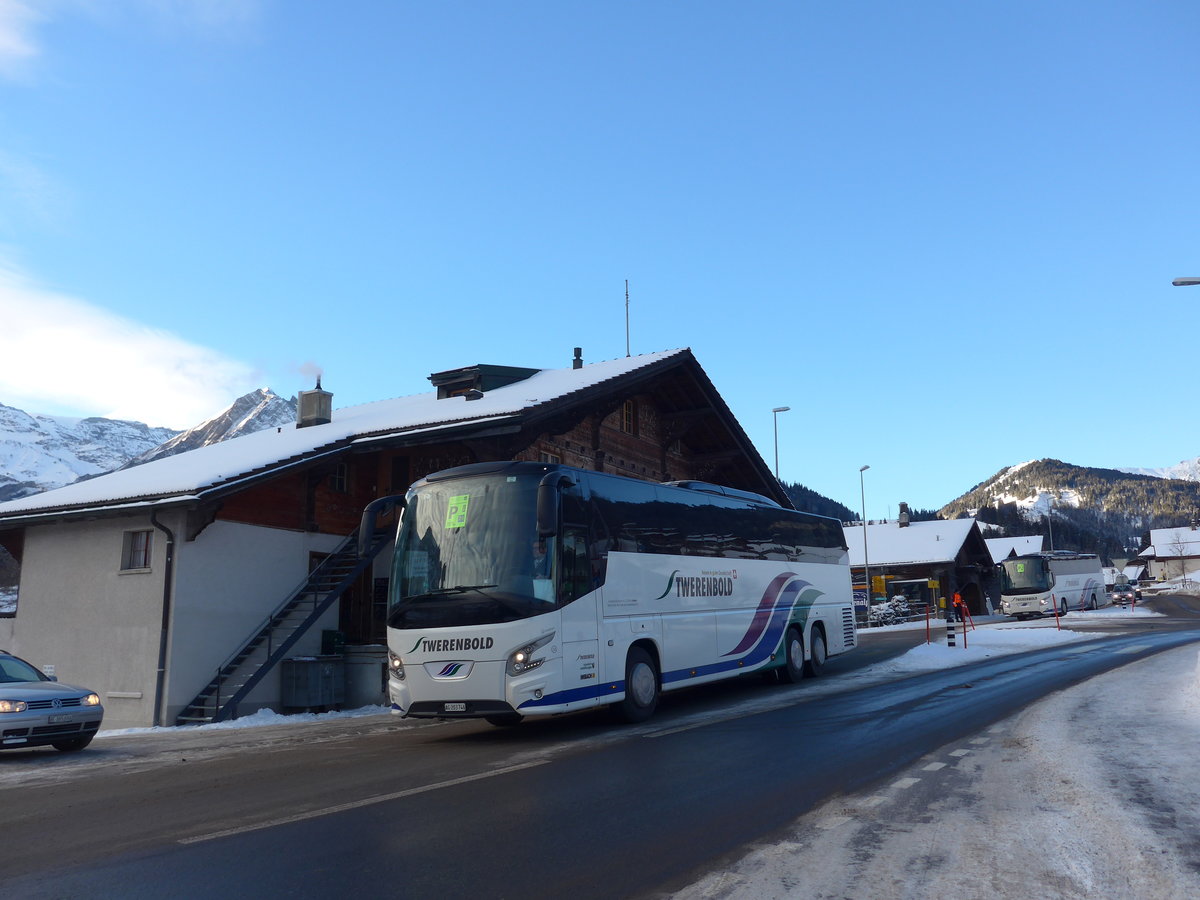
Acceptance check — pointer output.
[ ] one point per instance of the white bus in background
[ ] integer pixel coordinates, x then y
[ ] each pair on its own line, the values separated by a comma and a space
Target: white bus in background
527, 589
1037, 583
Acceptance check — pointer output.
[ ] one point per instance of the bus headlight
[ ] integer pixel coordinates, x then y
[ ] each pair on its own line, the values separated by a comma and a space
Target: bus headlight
522, 659
395, 666
1044, 602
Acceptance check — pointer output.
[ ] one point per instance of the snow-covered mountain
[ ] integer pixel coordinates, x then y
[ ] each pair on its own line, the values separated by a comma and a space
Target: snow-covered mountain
1185, 470
38, 452
42, 452
256, 411
1102, 510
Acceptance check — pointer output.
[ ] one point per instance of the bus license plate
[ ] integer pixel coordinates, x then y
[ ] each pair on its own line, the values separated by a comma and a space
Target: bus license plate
59, 719
454, 707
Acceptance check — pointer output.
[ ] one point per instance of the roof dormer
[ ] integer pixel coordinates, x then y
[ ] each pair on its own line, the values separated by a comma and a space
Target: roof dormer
480, 377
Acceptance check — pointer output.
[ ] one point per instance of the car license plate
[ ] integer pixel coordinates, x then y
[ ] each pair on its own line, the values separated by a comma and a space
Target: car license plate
454, 707
59, 719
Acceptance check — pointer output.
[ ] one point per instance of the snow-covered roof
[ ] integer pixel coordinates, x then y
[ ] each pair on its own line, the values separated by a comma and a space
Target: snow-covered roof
190, 474
1173, 543
919, 542
1001, 548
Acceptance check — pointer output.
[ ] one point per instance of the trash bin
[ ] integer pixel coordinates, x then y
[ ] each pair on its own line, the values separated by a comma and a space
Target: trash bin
366, 675
310, 682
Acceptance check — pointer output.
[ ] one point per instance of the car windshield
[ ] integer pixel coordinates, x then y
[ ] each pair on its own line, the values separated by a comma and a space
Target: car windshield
14, 670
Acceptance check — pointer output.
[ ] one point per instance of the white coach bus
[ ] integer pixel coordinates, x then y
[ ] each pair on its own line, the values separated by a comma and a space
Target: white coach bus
1037, 583
522, 589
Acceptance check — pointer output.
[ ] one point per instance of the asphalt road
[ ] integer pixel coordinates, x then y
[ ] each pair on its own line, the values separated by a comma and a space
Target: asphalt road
571, 806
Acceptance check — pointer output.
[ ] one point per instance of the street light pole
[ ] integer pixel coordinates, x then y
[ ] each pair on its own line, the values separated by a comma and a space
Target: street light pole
775, 412
862, 490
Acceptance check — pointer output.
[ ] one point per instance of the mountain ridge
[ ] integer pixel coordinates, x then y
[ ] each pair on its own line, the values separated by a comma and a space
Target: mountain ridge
1105, 511
40, 452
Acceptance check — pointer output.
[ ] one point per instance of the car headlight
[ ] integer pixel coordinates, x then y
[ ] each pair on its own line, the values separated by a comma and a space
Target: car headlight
13, 706
395, 666
522, 660
90, 700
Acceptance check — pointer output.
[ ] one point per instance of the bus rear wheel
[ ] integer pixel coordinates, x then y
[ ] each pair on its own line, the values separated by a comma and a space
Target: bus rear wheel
641, 687
816, 659
793, 656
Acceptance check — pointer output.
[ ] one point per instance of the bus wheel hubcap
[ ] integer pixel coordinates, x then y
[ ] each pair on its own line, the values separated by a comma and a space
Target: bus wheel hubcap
642, 684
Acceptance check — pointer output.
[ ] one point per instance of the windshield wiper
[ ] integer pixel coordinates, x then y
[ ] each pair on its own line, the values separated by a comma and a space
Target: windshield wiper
461, 588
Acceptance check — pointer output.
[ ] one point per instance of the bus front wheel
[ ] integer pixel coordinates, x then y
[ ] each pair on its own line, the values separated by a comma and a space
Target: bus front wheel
793, 656
641, 687
816, 659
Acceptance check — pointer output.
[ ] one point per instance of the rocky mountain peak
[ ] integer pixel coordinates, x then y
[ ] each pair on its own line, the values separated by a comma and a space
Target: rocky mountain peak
38, 452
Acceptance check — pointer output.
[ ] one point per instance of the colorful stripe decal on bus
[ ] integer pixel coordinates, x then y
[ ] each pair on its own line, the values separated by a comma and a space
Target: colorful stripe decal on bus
783, 603
762, 615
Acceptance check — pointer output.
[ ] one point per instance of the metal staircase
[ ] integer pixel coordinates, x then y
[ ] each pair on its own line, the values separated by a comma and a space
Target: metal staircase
274, 638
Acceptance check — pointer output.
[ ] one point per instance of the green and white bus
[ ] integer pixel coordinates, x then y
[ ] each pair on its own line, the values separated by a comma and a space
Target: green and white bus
1039, 584
527, 589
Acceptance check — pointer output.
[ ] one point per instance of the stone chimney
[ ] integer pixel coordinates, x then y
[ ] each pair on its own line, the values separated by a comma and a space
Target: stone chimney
903, 515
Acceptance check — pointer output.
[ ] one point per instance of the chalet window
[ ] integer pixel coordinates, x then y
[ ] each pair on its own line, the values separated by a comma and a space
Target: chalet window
629, 417
135, 550
340, 479
545, 457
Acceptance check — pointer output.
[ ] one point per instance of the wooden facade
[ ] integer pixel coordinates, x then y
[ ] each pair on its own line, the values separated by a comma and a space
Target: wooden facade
664, 425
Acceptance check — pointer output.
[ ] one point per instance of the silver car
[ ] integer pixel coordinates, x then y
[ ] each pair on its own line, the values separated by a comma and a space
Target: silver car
36, 710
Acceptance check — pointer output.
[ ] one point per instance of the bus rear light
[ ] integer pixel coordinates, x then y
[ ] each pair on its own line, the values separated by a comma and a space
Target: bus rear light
395, 666
522, 660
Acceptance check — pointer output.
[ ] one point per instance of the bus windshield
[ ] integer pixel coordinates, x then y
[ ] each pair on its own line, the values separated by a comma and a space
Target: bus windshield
468, 553
1030, 575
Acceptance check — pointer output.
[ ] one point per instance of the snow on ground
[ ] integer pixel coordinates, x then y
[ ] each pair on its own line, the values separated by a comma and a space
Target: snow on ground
997, 636
257, 720
1090, 793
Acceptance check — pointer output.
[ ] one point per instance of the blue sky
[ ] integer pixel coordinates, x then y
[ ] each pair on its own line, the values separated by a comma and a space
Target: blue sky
943, 233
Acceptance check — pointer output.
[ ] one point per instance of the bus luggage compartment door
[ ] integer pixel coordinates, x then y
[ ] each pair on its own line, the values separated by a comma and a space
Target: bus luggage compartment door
581, 664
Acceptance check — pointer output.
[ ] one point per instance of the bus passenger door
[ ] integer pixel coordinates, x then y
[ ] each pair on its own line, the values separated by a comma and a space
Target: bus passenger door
581, 664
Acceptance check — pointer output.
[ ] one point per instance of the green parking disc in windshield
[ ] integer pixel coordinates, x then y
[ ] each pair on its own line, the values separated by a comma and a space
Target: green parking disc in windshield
456, 512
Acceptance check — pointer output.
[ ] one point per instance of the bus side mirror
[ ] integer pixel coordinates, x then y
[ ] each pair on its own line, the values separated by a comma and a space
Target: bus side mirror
547, 503
370, 520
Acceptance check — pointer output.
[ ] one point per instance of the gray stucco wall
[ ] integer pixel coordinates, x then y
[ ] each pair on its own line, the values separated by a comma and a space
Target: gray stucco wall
100, 627
227, 582
97, 626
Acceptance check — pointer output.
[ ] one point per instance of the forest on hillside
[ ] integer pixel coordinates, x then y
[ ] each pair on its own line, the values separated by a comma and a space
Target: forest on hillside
1101, 511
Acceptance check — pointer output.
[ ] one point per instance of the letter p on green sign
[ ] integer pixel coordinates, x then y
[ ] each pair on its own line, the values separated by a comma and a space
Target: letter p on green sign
456, 512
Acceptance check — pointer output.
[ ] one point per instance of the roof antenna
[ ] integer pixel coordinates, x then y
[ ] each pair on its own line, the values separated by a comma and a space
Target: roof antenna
627, 317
